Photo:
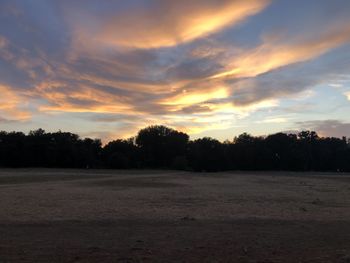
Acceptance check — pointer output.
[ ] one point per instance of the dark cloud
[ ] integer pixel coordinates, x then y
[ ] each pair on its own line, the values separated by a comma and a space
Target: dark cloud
195, 109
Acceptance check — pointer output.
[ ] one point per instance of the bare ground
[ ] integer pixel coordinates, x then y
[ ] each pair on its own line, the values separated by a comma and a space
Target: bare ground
154, 216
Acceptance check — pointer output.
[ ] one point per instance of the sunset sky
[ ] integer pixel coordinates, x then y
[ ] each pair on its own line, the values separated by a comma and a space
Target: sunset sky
105, 69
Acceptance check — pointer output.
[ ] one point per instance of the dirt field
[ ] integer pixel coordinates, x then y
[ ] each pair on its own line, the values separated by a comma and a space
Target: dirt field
153, 216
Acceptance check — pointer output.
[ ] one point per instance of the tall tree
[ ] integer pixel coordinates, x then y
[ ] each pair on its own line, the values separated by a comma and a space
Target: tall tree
160, 145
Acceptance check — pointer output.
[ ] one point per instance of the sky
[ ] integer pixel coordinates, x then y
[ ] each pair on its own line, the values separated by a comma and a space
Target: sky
218, 68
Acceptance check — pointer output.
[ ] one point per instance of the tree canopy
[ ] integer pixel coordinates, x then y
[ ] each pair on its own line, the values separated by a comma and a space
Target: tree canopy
165, 148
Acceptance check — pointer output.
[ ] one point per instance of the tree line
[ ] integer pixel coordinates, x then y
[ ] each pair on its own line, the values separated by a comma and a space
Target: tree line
160, 147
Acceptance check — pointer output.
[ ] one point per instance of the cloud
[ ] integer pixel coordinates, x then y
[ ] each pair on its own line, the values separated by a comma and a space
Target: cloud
274, 120
164, 23
289, 80
11, 105
3, 42
273, 54
204, 78
347, 94
195, 109
135, 63
82, 98
327, 128
188, 98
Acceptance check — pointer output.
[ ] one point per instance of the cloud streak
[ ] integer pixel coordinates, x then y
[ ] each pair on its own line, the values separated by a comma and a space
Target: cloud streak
166, 23
11, 105
273, 54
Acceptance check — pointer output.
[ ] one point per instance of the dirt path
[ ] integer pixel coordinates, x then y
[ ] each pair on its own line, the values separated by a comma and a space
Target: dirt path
152, 216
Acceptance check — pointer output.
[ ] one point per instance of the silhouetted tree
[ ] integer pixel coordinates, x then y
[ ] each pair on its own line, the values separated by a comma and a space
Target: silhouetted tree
247, 152
160, 145
41, 149
206, 154
281, 148
163, 147
121, 154
12, 149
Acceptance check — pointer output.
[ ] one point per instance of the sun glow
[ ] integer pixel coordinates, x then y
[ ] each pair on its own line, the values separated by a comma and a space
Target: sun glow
195, 97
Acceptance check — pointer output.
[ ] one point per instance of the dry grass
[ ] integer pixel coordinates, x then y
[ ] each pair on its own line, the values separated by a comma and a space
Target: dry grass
160, 216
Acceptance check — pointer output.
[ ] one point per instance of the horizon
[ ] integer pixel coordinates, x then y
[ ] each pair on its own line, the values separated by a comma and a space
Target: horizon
208, 68
133, 137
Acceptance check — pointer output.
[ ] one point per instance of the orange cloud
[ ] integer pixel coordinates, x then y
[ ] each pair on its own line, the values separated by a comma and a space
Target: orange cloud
169, 23
3, 42
79, 99
10, 105
198, 104
272, 55
187, 98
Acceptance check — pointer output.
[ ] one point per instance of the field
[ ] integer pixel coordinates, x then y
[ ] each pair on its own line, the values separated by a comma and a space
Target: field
167, 216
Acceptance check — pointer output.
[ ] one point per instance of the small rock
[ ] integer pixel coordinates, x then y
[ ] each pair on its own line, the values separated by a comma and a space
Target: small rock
136, 248
124, 259
200, 247
93, 248
317, 201
303, 209
346, 259
187, 218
